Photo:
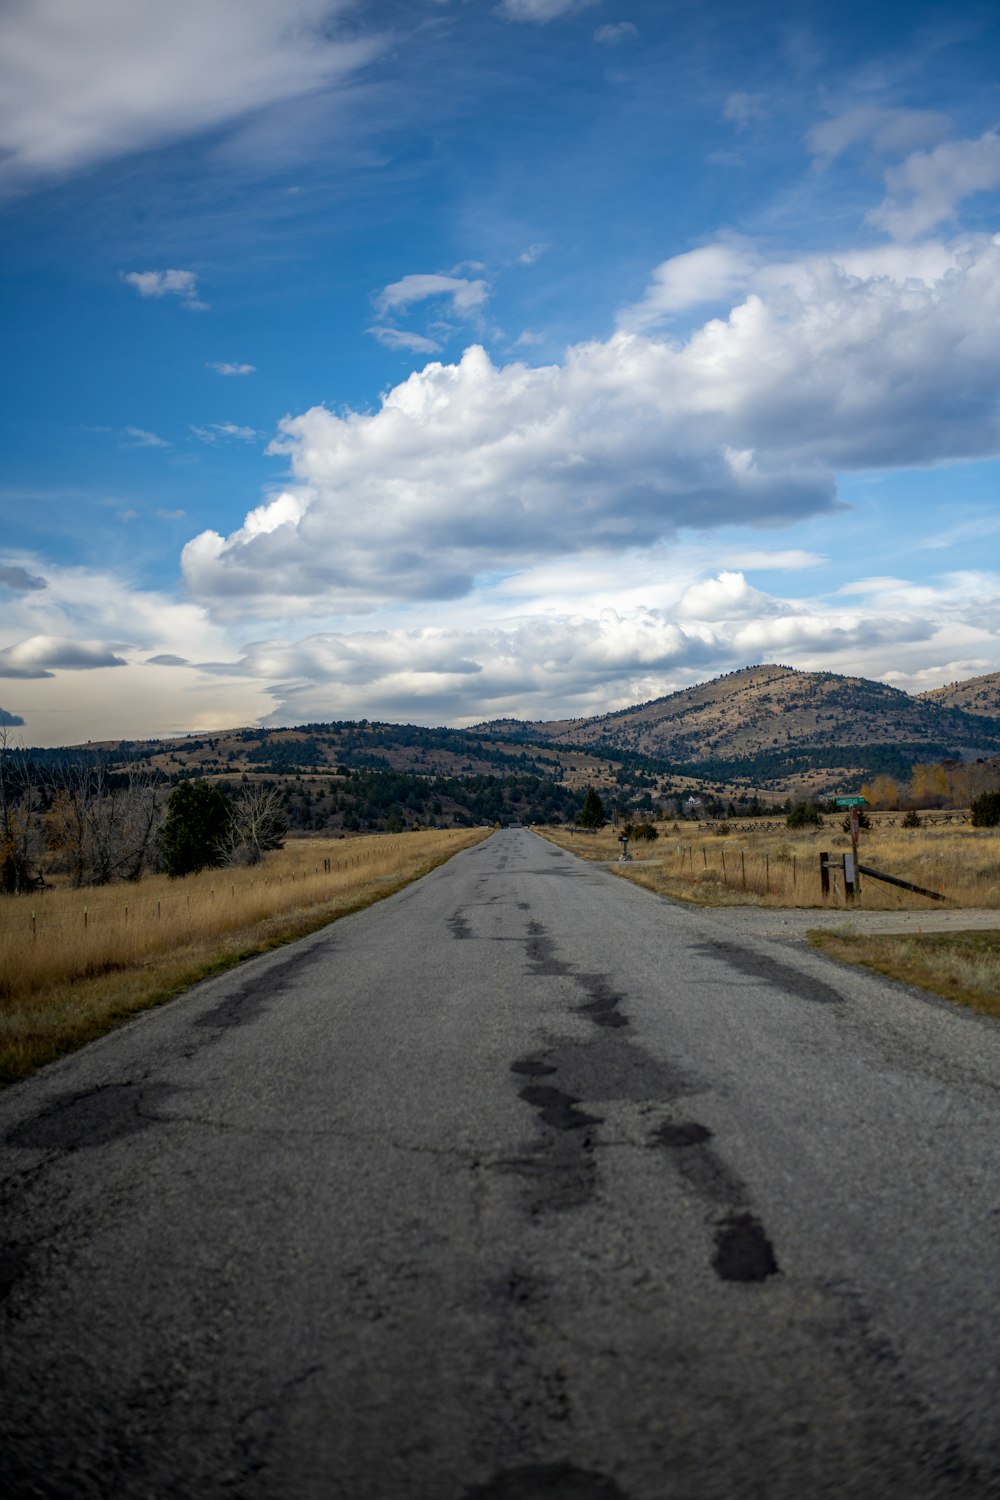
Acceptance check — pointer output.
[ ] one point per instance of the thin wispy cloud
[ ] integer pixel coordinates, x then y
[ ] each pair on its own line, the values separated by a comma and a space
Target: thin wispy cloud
223, 367
742, 108
139, 437
180, 284
225, 432
541, 11
464, 297
85, 83
617, 32
400, 338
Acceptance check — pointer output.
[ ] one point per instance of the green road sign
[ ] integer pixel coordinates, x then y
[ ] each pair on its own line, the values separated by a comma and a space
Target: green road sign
851, 801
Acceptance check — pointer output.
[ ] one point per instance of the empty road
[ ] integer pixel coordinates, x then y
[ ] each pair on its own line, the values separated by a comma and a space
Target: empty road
523, 1183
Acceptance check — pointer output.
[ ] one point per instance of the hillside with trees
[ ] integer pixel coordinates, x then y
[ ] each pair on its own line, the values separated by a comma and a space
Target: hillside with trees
778, 728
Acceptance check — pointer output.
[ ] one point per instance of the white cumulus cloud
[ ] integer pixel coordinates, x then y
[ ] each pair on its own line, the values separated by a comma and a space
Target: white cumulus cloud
474, 468
592, 660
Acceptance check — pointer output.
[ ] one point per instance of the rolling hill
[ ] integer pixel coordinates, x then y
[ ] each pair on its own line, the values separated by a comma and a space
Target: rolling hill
781, 729
770, 730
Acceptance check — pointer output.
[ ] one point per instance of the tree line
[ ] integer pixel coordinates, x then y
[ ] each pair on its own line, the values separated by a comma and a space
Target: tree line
96, 823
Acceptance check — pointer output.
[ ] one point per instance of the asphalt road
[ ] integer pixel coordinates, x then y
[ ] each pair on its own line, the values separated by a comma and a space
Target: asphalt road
521, 1184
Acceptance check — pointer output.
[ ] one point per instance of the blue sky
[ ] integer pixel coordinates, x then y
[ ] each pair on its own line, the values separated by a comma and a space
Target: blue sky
445, 360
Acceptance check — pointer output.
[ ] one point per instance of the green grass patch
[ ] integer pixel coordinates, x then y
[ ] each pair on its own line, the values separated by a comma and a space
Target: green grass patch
961, 966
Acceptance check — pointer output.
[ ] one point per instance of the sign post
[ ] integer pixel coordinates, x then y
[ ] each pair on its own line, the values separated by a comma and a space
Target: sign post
855, 804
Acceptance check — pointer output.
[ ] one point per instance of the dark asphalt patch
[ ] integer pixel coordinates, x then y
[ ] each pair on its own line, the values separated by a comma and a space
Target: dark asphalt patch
771, 971
13, 1264
678, 1136
705, 1171
542, 953
530, 1067
252, 997
742, 1250
79, 1121
547, 1482
701, 1167
520, 1288
556, 1108
609, 1066
602, 1008
458, 926
604, 1000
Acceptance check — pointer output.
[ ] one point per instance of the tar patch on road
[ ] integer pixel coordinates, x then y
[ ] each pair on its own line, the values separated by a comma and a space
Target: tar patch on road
742, 1250
547, 1482
250, 1000
13, 1264
74, 1122
688, 1134
602, 1008
601, 1005
755, 965
556, 1108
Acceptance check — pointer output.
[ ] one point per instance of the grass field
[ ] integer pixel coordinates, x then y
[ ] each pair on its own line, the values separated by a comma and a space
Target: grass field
961, 966
781, 867
74, 963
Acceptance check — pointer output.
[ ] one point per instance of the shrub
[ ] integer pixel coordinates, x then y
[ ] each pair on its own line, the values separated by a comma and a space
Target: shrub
985, 810
804, 815
644, 832
912, 819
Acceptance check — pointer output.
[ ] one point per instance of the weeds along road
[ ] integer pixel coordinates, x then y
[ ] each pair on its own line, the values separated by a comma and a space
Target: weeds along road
523, 1183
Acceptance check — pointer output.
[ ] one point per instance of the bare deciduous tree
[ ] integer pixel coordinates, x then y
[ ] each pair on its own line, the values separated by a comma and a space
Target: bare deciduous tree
19, 841
258, 824
104, 822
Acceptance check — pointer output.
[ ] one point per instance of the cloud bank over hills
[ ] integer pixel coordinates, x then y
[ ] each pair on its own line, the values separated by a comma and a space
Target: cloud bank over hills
568, 357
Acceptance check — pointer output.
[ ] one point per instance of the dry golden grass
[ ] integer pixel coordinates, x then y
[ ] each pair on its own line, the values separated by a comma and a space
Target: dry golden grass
961, 966
73, 963
781, 867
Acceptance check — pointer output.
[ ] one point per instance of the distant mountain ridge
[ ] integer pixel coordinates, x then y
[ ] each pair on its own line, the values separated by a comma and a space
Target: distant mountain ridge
773, 723
767, 728
976, 695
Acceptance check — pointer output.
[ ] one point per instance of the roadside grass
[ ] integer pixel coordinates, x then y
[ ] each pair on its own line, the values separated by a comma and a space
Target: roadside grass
73, 964
780, 867
961, 966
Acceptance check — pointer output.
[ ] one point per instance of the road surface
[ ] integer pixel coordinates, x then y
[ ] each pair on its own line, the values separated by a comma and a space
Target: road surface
523, 1183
